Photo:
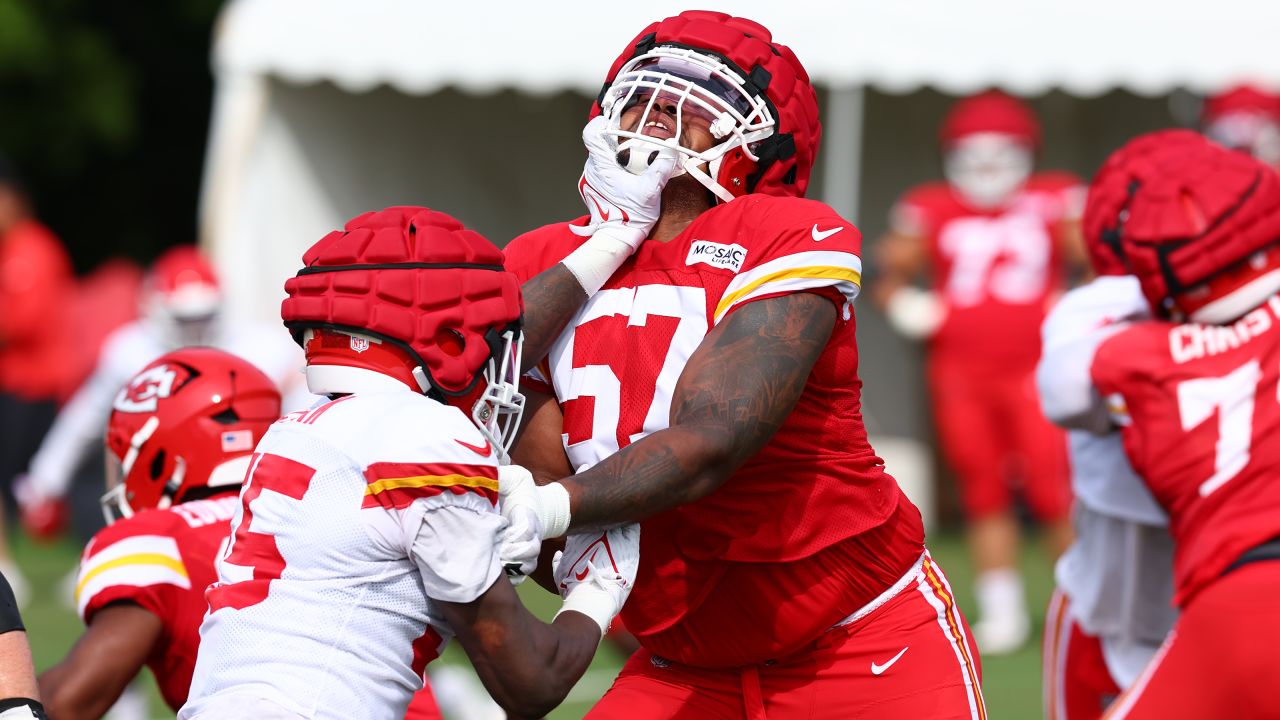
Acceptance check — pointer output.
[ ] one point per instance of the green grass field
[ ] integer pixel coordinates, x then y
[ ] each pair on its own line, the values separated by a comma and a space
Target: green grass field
1011, 683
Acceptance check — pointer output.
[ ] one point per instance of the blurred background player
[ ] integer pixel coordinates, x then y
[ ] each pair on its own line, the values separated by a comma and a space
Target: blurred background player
178, 444
1194, 393
181, 307
36, 283
1244, 118
710, 390
1112, 607
369, 532
995, 242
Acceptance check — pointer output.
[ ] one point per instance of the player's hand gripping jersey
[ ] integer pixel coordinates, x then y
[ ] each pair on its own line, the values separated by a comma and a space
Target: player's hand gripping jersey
161, 560
815, 484
996, 271
356, 516
1199, 411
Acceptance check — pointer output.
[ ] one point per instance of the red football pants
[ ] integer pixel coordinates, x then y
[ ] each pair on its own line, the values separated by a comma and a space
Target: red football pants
1220, 658
991, 430
910, 658
1077, 683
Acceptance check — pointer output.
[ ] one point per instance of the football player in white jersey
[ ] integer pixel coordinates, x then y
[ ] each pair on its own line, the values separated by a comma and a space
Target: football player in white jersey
1113, 604
368, 531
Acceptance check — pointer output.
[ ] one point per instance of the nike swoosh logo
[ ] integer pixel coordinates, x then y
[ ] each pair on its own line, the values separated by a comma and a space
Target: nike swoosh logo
877, 669
580, 576
820, 235
477, 449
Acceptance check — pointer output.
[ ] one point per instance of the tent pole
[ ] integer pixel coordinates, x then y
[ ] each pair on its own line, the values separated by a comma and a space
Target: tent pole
842, 169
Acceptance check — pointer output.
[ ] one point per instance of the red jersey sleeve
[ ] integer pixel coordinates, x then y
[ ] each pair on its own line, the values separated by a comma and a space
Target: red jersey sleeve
136, 559
794, 245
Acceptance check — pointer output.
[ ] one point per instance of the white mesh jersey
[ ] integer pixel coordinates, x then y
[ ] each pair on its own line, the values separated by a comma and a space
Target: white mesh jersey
356, 517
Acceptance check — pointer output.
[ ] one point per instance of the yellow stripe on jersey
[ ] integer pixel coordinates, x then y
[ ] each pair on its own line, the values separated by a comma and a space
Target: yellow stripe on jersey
832, 272
142, 559
432, 481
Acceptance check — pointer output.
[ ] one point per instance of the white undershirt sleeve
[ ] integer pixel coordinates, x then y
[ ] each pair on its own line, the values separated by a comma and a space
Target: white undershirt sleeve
456, 550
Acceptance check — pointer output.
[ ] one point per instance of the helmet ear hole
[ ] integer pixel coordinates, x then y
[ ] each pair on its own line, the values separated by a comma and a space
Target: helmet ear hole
157, 465
451, 342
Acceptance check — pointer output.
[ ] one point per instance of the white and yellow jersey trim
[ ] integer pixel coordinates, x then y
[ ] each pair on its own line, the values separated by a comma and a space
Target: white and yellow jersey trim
795, 273
138, 561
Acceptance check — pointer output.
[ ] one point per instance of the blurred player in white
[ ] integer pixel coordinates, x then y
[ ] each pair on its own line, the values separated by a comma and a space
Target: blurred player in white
368, 531
178, 444
1113, 604
995, 239
181, 304
1193, 392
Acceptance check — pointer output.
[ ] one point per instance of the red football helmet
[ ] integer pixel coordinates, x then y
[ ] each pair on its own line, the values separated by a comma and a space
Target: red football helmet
762, 109
1245, 118
189, 420
1199, 230
1111, 190
411, 294
181, 297
989, 112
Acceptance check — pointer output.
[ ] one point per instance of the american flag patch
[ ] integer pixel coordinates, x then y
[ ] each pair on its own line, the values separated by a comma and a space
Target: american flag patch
237, 440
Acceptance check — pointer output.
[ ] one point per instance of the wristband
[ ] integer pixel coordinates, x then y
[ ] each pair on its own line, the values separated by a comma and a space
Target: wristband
596, 604
597, 259
553, 501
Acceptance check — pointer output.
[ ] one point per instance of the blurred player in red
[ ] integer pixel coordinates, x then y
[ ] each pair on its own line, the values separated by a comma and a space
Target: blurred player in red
179, 441
36, 366
993, 239
709, 389
1244, 118
1194, 393
1113, 604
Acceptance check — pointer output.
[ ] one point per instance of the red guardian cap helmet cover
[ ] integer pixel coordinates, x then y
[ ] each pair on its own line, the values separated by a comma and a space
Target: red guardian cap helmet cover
1110, 191
1198, 228
758, 97
410, 293
188, 420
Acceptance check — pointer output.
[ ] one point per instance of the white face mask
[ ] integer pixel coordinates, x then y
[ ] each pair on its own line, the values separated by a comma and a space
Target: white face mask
1251, 132
987, 168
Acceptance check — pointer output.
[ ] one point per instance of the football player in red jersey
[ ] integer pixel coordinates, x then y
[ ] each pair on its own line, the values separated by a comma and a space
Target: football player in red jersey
995, 238
1112, 607
178, 442
1194, 393
709, 389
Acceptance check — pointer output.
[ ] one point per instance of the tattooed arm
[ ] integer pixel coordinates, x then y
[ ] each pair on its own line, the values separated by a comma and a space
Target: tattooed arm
735, 392
550, 299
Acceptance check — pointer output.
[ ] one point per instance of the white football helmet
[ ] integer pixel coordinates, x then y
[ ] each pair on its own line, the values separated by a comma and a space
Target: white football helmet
679, 86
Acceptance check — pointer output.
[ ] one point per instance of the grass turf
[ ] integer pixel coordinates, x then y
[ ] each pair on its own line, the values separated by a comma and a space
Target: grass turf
1011, 683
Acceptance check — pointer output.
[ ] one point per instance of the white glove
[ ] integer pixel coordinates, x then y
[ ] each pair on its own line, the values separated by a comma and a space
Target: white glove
520, 543
526, 504
596, 572
915, 313
624, 206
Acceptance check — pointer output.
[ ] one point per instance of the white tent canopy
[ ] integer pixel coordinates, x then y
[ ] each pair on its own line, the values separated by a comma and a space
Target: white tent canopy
1026, 46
